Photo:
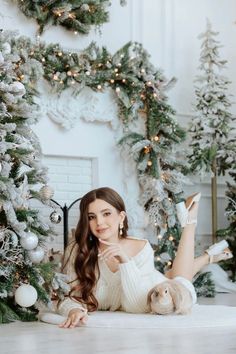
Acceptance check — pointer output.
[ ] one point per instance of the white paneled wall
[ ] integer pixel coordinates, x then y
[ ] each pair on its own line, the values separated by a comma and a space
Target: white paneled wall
168, 29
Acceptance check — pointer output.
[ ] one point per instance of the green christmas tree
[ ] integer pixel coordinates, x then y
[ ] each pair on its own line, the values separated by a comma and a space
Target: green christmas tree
25, 280
213, 147
230, 232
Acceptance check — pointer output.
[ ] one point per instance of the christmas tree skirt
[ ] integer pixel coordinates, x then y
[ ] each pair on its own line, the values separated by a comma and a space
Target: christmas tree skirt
201, 316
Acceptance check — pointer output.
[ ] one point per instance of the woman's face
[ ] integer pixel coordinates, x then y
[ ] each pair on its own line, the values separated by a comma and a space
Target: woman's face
104, 220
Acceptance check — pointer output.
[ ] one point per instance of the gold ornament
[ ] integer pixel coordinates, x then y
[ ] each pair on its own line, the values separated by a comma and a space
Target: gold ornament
46, 192
147, 149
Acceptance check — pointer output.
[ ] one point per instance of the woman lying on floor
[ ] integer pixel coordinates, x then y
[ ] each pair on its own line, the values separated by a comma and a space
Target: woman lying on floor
109, 270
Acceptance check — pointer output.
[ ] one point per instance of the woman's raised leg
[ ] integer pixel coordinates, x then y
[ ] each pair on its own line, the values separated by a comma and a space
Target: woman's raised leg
183, 264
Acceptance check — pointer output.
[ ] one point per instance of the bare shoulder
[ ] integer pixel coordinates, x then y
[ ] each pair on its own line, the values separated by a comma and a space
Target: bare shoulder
135, 245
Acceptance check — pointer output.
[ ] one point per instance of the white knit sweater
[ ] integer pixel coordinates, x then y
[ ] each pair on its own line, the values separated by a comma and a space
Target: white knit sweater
124, 290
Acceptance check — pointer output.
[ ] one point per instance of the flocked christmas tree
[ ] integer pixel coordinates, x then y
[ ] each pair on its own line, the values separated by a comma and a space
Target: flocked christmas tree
230, 232
213, 147
25, 279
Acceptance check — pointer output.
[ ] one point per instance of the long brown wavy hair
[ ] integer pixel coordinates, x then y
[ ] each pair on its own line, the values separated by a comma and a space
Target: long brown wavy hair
86, 261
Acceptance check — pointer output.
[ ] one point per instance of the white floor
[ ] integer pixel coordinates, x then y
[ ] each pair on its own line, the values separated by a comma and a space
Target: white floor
41, 338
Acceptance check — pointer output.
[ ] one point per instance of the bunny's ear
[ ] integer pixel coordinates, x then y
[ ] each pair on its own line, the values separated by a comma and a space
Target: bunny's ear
180, 297
149, 296
176, 294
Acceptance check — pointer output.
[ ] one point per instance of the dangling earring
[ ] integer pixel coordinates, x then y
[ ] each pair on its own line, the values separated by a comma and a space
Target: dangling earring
121, 229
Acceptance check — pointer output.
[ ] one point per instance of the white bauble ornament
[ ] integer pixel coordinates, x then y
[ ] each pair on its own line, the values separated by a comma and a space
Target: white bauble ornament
17, 88
0, 167
84, 7
55, 217
14, 239
1, 58
2, 234
207, 97
46, 192
26, 295
36, 255
29, 242
6, 48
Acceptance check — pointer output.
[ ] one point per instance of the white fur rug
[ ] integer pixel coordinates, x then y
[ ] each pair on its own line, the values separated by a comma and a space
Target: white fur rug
201, 316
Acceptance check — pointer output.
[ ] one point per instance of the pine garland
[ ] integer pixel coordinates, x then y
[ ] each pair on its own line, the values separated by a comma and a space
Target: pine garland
75, 15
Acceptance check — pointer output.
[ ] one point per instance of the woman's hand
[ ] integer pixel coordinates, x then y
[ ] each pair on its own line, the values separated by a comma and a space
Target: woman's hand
75, 317
113, 250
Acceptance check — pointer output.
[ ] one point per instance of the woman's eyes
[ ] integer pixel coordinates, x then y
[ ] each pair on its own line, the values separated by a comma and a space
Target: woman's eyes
107, 213
92, 217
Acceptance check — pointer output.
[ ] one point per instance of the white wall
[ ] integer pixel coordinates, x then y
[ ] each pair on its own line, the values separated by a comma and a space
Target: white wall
168, 29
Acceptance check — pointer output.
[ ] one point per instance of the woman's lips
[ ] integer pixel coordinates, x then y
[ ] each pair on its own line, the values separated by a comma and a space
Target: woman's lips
100, 231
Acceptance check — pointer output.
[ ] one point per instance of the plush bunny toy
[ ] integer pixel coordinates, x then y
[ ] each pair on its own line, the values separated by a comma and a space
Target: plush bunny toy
169, 297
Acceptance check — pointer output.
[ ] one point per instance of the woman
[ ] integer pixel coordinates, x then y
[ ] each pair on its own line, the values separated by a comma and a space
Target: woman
109, 270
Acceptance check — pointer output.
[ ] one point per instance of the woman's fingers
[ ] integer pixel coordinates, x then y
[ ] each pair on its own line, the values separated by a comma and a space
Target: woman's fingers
66, 323
110, 252
73, 320
84, 319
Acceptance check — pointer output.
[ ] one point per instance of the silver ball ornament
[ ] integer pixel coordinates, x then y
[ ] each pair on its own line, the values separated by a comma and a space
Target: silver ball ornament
26, 295
29, 242
55, 217
84, 7
207, 97
17, 88
6, 48
36, 255
1, 58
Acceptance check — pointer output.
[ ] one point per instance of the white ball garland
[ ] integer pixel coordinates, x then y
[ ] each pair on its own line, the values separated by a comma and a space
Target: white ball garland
26, 295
